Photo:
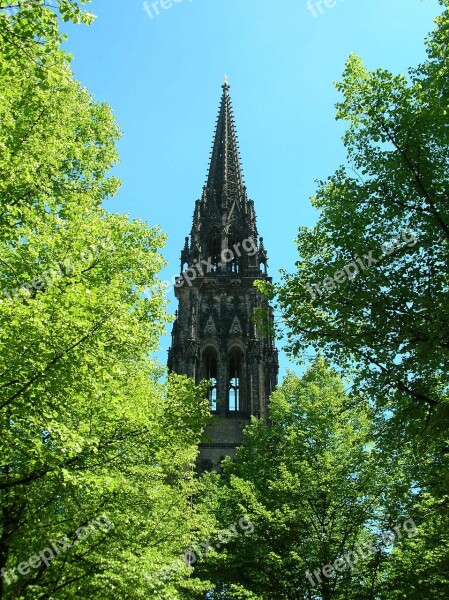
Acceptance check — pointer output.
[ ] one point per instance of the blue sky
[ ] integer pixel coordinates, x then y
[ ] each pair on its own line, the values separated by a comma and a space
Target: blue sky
162, 77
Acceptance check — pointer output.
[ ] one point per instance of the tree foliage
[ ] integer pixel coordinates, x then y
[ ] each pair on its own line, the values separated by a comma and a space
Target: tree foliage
32, 23
371, 283
86, 427
315, 488
391, 318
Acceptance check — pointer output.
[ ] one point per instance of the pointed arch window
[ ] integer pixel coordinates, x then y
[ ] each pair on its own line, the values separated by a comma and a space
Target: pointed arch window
212, 394
234, 246
214, 249
234, 384
210, 372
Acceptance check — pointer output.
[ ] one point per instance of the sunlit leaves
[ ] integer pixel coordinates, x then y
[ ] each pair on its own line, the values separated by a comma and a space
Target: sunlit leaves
86, 426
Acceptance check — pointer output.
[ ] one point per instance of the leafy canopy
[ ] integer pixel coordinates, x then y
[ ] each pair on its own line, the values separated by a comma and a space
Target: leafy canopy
86, 427
314, 486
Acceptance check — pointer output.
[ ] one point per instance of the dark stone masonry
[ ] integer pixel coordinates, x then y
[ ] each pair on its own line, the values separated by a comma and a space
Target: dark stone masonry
214, 336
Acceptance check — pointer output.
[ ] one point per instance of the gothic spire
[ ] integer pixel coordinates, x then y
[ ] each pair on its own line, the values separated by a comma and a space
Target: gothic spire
225, 179
224, 216
215, 337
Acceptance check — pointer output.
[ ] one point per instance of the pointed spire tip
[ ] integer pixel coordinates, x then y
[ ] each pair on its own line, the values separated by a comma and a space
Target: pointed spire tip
226, 85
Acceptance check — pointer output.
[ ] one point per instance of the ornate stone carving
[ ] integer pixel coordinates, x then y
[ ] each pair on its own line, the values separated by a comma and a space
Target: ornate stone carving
242, 361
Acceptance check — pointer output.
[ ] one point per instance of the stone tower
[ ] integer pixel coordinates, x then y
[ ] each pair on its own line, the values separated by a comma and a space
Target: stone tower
214, 336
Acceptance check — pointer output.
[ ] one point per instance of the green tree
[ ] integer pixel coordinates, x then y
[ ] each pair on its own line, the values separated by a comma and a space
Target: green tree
390, 316
419, 567
26, 24
89, 437
371, 284
29, 30
316, 490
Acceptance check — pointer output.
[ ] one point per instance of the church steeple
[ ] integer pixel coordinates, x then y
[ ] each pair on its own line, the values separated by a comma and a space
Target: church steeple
224, 180
225, 215
214, 335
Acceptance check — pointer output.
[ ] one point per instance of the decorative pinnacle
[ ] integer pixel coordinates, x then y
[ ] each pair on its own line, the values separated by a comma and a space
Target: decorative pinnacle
226, 85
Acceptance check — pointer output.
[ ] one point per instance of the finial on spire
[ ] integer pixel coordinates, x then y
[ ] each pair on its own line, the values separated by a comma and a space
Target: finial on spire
226, 85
